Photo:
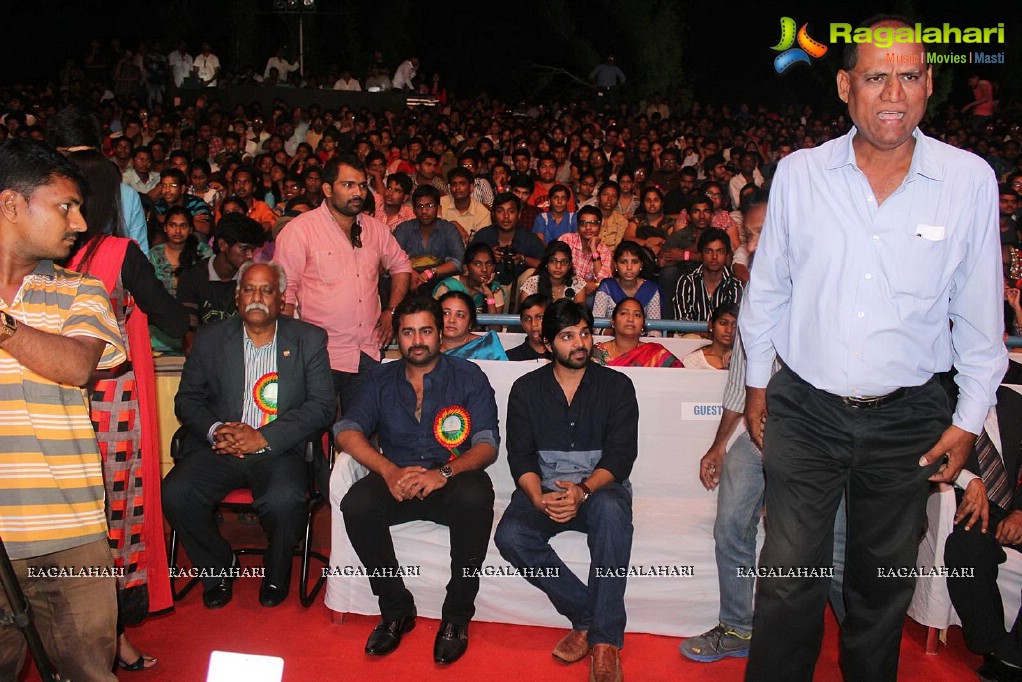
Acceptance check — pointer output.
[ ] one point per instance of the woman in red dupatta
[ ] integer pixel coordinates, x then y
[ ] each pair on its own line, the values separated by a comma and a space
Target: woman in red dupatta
625, 350
123, 405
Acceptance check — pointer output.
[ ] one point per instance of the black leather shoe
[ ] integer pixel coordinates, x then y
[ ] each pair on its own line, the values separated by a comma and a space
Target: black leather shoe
219, 595
271, 595
451, 642
386, 636
996, 670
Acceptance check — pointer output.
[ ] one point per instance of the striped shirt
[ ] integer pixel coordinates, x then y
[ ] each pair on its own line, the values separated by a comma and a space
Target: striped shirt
693, 303
260, 383
51, 473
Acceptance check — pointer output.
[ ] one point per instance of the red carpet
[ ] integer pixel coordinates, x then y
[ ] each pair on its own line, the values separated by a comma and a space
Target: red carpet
313, 647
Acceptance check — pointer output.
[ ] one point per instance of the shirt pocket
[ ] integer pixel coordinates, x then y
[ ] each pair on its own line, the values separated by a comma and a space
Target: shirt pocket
328, 265
916, 266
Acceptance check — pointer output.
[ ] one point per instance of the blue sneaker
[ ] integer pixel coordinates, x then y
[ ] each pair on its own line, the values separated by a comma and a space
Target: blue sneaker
716, 644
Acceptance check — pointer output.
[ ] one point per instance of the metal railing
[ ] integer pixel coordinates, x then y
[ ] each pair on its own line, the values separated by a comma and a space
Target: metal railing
684, 327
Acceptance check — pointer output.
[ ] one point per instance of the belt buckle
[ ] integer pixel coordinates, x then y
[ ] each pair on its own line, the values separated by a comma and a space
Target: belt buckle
864, 403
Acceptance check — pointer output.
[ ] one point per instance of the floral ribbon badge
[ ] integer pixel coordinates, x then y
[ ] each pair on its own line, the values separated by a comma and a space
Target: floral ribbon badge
265, 395
451, 427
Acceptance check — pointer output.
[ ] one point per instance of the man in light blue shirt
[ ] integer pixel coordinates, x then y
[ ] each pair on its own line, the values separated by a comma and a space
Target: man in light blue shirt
877, 269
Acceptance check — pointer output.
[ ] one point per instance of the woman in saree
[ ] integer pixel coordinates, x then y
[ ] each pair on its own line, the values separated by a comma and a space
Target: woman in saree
456, 337
625, 349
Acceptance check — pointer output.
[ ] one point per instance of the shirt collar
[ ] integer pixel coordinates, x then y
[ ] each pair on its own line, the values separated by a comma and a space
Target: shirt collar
924, 162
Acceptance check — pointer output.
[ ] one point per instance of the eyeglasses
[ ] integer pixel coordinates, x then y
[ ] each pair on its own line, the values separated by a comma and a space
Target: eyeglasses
425, 206
597, 223
170, 184
559, 261
481, 263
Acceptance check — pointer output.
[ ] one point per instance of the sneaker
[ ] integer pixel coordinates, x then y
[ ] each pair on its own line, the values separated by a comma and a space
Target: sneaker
716, 644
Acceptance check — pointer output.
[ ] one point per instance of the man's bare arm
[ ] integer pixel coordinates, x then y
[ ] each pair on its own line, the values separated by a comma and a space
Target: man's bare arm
63, 359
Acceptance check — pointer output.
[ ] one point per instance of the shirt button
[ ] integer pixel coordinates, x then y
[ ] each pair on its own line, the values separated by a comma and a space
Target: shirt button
855, 353
861, 314
572, 445
868, 276
572, 424
869, 199
876, 237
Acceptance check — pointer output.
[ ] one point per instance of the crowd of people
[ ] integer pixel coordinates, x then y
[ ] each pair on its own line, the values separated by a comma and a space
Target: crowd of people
210, 228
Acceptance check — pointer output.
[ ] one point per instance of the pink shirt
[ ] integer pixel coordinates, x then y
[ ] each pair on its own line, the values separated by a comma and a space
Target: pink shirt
583, 263
334, 284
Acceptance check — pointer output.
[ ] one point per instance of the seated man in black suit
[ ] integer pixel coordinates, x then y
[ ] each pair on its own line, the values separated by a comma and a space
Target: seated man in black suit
989, 519
254, 387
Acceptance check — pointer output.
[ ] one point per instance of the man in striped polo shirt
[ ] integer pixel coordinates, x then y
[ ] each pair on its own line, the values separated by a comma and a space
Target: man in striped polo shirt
55, 327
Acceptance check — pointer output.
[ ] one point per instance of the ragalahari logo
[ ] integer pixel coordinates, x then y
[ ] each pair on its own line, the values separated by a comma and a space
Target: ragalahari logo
807, 47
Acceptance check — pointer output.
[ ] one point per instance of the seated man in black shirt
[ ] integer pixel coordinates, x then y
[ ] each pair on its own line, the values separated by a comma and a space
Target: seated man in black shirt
573, 430
531, 315
207, 288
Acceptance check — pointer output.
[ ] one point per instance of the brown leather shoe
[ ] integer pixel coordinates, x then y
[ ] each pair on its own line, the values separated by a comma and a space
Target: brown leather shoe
605, 665
574, 647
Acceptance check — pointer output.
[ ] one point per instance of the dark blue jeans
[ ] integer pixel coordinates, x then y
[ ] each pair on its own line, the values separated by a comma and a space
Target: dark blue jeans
523, 538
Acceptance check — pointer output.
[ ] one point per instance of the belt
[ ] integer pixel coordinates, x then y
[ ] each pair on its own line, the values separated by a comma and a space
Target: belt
863, 403
872, 402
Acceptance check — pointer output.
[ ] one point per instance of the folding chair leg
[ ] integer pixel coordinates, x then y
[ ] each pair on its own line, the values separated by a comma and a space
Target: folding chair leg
305, 595
178, 595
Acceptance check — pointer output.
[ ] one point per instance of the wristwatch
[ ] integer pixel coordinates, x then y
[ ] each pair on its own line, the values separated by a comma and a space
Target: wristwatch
586, 492
446, 471
8, 325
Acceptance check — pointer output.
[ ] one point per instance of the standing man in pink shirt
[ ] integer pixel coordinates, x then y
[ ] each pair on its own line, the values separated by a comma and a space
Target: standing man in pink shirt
333, 256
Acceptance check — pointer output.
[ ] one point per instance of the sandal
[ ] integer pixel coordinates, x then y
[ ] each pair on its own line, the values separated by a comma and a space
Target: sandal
143, 662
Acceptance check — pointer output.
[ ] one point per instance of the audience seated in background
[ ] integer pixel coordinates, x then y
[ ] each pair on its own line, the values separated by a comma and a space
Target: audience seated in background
555, 276
531, 316
591, 256
717, 355
629, 261
459, 318
476, 280
710, 285
434, 246
628, 322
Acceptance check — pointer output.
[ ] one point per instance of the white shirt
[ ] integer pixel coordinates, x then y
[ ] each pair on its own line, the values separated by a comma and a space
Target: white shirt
350, 85
283, 67
404, 75
207, 65
180, 66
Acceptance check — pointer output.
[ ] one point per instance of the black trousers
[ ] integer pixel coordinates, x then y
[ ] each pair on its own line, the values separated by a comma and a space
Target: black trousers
817, 448
977, 599
279, 482
464, 505
347, 384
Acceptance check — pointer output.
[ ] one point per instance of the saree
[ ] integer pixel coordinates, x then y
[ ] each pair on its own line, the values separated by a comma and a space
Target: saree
643, 355
123, 413
485, 347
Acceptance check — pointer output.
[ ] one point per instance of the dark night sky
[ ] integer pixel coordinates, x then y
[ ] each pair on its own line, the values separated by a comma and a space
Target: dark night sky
478, 45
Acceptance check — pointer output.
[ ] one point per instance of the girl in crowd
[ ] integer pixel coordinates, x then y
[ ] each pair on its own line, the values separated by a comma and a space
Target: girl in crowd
476, 280
627, 201
181, 250
456, 337
717, 355
649, 226
716, 192
628, 282
555, 276
625, 349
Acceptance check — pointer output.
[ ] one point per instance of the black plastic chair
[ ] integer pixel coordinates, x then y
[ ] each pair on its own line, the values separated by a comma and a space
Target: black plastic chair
240, 500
